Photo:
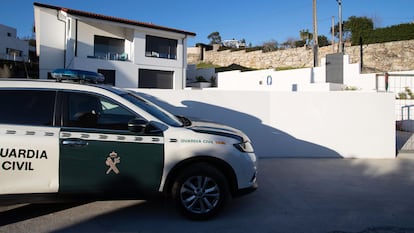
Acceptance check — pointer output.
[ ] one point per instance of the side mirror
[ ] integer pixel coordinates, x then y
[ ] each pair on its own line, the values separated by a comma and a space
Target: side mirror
137, 125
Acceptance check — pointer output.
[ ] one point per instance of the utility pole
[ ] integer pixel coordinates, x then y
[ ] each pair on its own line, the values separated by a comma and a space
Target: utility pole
333, 34
341, 48
315, 36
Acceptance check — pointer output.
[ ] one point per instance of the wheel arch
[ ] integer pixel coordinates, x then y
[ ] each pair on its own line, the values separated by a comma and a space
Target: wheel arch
219, 164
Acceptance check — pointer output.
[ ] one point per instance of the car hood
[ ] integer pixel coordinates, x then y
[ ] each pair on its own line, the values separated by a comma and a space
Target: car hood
218, 129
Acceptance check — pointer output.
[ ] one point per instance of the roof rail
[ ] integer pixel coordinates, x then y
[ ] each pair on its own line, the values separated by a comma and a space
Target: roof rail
81, 76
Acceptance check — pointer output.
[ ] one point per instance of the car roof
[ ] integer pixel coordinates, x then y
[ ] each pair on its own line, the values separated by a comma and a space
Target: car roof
53, 84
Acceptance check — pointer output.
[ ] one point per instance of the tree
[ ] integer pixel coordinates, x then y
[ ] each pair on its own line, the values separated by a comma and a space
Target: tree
289, 43
357, 26
269, 46
354, 28
300, 43
305, 36
214, 38
323, 41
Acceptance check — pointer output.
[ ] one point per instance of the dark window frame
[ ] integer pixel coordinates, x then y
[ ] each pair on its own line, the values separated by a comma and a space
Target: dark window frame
11, 52
160, 47
66, 122
155, 79
31, 109
109, 48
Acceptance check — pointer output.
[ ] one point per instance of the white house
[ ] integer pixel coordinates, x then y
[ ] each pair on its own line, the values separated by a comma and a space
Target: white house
233, 43
11, 47
129, 53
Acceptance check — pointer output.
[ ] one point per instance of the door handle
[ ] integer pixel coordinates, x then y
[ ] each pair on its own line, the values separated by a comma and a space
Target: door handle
74, 142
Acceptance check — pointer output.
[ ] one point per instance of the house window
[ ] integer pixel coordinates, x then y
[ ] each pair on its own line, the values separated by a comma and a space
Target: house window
14, 52
160, 47
109, 76
155, 79
108, 48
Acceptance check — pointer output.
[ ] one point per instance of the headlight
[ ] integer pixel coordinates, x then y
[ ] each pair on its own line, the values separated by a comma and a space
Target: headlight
244, 147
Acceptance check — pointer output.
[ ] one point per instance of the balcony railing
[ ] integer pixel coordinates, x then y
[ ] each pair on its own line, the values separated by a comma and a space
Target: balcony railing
10, 57
111, 56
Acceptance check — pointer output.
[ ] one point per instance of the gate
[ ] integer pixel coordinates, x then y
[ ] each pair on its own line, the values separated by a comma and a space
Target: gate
335, 68
403, 86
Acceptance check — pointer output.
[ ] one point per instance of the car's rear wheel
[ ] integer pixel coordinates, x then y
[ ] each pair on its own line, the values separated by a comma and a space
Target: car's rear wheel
200, 191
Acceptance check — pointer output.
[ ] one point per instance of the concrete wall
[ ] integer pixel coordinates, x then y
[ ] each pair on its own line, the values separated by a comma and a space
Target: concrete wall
313, 80
296, 124
305, 79
193, 72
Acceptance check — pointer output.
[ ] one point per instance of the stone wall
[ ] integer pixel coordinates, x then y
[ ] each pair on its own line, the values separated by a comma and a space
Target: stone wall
390, 56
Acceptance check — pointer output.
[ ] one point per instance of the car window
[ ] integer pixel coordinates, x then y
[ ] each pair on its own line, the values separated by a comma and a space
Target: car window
27, 107
153, 109
90, 111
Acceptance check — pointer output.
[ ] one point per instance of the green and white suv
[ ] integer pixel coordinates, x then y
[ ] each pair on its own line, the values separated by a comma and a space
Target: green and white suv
64, 140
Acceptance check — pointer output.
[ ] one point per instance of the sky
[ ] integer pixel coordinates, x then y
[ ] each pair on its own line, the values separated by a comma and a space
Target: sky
257, 21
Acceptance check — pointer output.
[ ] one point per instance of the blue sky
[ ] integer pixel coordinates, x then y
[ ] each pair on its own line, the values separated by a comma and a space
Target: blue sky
255, 21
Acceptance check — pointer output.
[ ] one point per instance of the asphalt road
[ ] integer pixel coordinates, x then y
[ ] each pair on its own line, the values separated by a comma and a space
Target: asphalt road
295, 195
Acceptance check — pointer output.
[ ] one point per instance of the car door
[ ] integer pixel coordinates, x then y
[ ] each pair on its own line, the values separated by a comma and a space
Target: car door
29, 142
99, 155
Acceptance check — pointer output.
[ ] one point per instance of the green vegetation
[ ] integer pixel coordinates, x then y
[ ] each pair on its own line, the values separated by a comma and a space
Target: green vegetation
361, 29
203, 65
406, 94
200, 79
393, 33
286, 68
214, 38
350, 88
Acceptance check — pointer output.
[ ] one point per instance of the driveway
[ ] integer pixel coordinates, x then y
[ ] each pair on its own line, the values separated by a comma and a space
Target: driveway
295, 195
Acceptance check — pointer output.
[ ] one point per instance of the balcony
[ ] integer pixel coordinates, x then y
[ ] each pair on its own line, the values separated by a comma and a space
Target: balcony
111, 56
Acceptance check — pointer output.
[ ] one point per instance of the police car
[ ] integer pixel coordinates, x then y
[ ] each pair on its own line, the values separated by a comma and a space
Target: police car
63, 140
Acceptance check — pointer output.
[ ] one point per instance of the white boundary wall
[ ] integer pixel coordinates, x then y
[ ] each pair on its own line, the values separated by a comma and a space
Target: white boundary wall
345, 124
305, 79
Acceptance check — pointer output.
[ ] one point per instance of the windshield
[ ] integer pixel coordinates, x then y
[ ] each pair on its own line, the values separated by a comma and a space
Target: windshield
153, 109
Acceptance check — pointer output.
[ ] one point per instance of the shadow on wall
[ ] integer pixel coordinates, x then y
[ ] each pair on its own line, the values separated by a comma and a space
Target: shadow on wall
267, 141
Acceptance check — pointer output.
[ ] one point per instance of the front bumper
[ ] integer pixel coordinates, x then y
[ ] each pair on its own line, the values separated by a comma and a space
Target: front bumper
245, 191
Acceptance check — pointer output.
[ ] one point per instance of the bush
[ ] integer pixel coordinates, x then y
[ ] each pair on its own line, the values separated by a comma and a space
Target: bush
200, 79
406, 94
393, 33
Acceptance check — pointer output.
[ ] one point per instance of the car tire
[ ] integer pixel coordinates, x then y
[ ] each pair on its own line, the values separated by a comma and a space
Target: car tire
200, 191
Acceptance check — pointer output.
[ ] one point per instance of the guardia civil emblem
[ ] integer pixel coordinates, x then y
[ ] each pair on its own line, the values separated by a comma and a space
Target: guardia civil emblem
112, 160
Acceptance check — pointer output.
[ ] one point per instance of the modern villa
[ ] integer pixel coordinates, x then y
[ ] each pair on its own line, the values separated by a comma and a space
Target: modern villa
128, 53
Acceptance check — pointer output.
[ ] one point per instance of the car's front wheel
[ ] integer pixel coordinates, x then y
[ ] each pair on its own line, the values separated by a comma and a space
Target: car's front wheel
200, 191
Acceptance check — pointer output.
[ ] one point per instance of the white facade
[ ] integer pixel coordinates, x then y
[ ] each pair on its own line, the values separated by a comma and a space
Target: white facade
314, 80
336, 124
306, 79
67, 39
12, 48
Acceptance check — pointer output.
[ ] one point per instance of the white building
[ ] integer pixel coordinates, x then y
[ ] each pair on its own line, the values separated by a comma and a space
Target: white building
129, 53
233, 43
11, 47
